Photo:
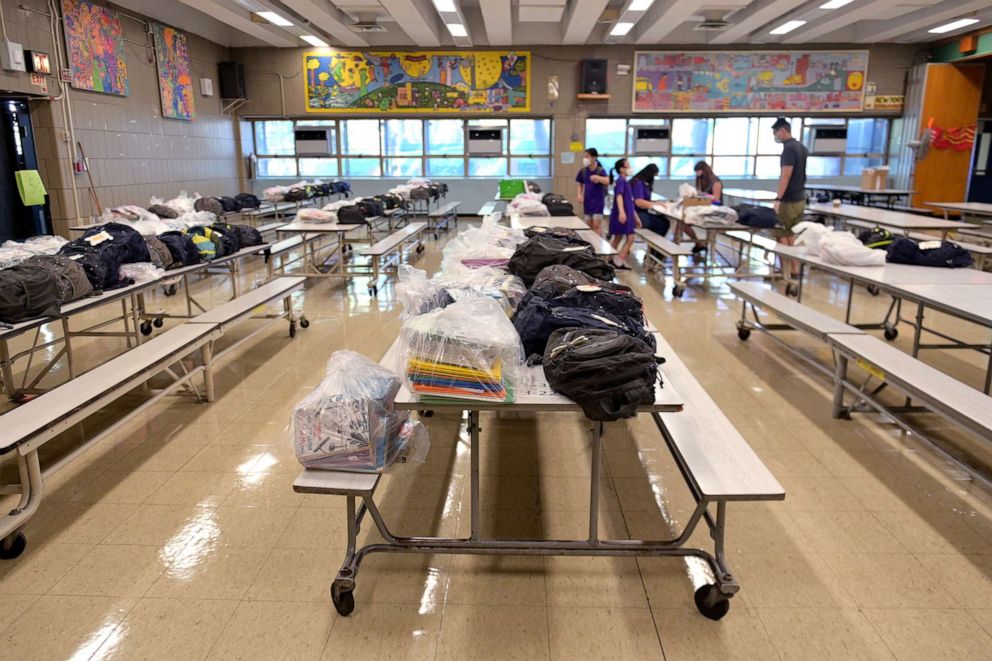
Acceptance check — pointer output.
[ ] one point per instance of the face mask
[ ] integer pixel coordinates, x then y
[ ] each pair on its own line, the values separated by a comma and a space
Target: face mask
587, 162
778, 139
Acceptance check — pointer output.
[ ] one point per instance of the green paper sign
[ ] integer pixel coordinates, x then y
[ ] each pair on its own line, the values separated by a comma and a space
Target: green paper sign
30, 187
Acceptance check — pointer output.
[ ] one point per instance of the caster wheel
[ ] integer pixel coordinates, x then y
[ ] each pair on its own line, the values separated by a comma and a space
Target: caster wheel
677, 291
173, 289
344, 602
304, 322
792, 289
420, 249
158, 323
373, 291
146, 328
711, 603
436, 236
348, 248
292, 330
426, 414
890, 332
13, 545
743, 333
873, 290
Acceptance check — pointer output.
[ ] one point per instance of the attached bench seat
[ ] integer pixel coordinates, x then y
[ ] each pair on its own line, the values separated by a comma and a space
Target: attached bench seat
796, 315
670, 249
243, 306
393, 243
336, 483
441, 217
488, 208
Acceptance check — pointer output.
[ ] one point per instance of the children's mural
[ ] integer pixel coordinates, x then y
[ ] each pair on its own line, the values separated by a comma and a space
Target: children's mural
748, 81
386, 81
175, 80
96, 48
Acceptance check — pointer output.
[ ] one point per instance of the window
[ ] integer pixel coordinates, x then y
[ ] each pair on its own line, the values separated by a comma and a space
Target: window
691, 136
274, 139
404, 137
607, 136
487, 167
360, 137
445, 137
530, 136
318, 167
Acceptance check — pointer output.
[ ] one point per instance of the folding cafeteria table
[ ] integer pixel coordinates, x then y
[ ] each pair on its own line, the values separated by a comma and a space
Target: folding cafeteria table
860, 195
897, 220
979, 212
600, 246
310, 233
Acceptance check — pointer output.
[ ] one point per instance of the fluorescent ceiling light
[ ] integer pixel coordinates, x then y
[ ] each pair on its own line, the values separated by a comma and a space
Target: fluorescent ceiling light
835, 4
953, 25
456, 29
787, 27
445, 6
314, 41
621, 29
274, 18
640, 5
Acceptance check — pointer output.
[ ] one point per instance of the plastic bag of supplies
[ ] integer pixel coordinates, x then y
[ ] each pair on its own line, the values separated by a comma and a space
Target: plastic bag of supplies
349, 423
467, 350
417, 293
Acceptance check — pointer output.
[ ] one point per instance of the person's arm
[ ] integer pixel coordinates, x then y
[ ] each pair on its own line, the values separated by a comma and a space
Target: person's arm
599, 179
643, 204
718, 191
621, 213
783, 185
579, 192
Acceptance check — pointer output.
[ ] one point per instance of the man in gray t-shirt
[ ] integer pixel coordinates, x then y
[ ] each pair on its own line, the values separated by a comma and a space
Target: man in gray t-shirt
790, 201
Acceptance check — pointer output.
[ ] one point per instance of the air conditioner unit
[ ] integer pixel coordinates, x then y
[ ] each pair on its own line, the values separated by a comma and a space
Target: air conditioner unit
314, 141
828, 139
652, 139
486, 142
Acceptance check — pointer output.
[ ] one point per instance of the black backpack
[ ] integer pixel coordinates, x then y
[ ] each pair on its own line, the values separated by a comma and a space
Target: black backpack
391, 201
229, 204
373, 207
160, 254
210, 205
591, 297
608, 374
536, 322
877, 238
562, 233
69, 276
163, 211
754, 216
540, 251
352, 214
297, 195
228, 235
947, 255
248, 201
102, 262
27, 292
127, 240
557, 205
248, 236
184, 251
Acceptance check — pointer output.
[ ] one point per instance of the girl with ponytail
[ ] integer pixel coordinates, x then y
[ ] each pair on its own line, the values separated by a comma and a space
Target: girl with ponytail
623, 216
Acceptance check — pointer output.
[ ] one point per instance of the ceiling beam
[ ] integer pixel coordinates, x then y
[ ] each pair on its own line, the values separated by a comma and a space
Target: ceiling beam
662, 19
754, 18
498, 18
838, 20
581, 19
328, 18
243, 23
417, 18
923, 19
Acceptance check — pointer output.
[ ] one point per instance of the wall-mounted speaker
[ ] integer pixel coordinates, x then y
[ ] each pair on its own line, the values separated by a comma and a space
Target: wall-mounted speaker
592, 78
232, 80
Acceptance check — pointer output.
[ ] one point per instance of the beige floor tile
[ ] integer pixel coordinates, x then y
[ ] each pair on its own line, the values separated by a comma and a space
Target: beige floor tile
603, 633
159, 457
594, 582
254, 527
888, 581
168, 629
401, 579
672, 582
984, 618
153, 525
195, 488
267, 489
385, 632
224, 459
846, 532
208, 571
296, 575
316, 529
818, 494
500, 580
242, 433
929, 532
113, 571
39, 567
789, 580
80, 523
823, 634
12, 606
930, 634
63, 627
968, 578
685, 635
122, 487
275, 630
470, 633
572, 493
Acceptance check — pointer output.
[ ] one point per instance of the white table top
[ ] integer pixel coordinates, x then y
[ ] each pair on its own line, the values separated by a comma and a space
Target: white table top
518, 222
599, 245
533, 394
317, 228
973, 208
842, 188
974, 301
887, 217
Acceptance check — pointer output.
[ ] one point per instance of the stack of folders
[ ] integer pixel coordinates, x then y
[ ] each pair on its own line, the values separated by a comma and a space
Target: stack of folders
439, 366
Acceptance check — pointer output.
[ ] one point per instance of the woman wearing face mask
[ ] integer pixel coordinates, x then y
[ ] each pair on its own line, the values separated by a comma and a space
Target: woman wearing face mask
623, 215
641, 186
591, 183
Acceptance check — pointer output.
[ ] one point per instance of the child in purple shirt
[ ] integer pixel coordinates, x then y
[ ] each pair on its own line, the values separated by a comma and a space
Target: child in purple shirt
592, 182
623, 215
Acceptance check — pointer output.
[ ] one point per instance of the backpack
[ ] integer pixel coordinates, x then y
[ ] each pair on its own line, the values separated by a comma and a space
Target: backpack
27, 292
228, 235
183, 249
592, 297
352, 214
536, 322
247, 201
248, 236
391, 201
608, 374
211, 204
877, 238
562, 233
159, 252
342, 188
102, 267
127, 240
557, 205
540, 251
229, 204
373, 207
753, 216
946, 255
296, 195
163, 211
207, 249
420, 193
69, 276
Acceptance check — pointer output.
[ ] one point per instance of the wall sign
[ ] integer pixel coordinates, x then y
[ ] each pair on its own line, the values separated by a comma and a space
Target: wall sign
420, 81
38, 62
95, 43
749, 81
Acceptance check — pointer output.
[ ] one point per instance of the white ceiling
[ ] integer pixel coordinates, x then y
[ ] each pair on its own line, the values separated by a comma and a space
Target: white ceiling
574, 22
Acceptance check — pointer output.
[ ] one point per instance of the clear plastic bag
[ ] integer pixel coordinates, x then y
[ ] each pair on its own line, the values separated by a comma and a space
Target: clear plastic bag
316, 216
467, 350
275, 193
417, 294
38, 245
712, 215
12, 256
488, 245
349, 423
483, 282
194, 218
182, 203
141, 271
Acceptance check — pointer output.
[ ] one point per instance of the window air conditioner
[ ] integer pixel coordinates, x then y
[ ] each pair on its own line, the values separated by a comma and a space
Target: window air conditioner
828, 139
487, 142
652, 140
314, 141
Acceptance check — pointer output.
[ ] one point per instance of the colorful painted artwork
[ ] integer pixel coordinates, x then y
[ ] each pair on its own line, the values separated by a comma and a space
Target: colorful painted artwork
749, 81
464, 81
175, 79
96, 48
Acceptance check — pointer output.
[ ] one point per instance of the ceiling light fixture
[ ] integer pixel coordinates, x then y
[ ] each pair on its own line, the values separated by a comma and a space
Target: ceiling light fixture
314, 41
447, 6
953, 25
787, 27
274, 18
640, 5
835, 4
456, 29
621, 29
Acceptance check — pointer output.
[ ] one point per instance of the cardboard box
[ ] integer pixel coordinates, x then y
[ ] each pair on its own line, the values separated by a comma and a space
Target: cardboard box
868, 179
881, 177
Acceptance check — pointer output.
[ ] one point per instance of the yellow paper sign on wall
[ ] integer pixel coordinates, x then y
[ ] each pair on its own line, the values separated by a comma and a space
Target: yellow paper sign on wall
575, 145
29, 186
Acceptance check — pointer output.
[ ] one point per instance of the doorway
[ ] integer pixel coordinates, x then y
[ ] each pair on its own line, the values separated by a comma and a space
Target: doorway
17, 152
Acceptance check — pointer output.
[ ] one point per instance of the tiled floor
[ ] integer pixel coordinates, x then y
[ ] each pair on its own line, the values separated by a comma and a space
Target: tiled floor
179, 537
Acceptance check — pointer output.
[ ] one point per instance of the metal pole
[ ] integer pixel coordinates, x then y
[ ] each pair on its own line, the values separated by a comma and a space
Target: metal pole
597, 466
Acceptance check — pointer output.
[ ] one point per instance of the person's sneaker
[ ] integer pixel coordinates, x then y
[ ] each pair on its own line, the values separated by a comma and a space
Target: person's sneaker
621, 266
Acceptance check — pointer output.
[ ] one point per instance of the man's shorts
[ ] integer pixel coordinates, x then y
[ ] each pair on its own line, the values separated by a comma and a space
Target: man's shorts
790, 213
